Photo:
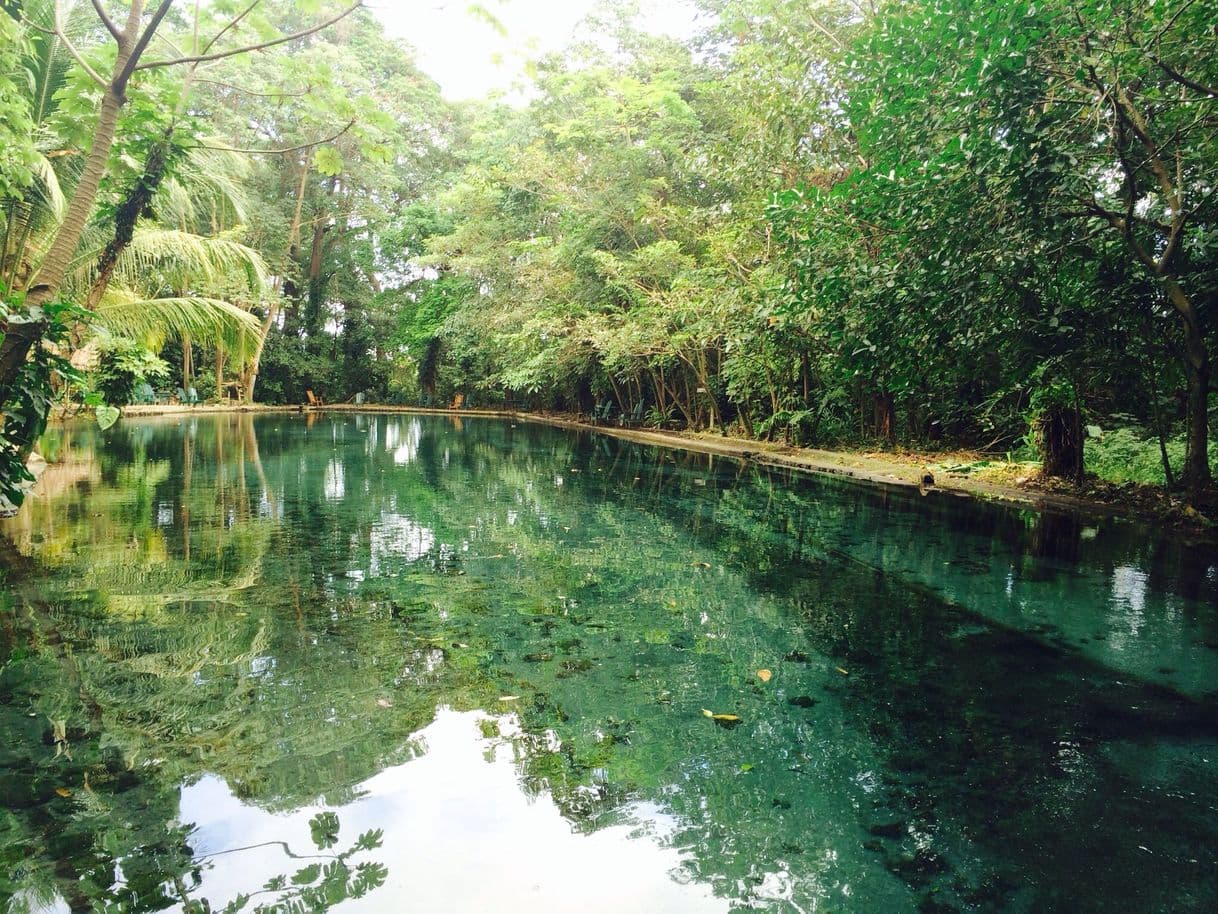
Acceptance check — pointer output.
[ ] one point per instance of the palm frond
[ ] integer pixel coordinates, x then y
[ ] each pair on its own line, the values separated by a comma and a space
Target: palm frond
46, 189
50, 61
164, 261
194, 261
174, 205
214, 181
152, 320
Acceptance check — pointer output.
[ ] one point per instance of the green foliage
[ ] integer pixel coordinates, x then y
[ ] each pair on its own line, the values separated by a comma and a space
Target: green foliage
323, 827
1130, 454
26, 404
17, 158
123, 365
830, 223
723, 267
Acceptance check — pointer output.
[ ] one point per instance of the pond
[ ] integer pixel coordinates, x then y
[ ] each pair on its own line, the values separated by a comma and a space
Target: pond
373, 662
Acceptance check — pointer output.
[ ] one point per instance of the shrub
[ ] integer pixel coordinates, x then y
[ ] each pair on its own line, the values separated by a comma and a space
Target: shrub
1129, 454
122, 366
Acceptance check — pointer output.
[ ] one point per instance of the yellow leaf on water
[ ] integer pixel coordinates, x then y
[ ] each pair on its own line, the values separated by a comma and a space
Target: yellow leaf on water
63, 791
725, 718
764, 675
843, 672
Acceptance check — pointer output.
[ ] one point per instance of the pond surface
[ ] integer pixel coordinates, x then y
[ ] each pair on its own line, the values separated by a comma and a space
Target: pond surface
426, 664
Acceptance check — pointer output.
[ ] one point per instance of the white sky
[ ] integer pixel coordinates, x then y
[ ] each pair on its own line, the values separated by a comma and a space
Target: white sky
468, 58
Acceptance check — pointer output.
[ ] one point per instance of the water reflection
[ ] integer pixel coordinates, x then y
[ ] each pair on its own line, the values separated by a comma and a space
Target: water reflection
221, 627
462, 836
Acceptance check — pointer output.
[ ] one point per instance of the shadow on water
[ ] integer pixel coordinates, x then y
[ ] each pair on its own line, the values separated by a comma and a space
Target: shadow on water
963, 708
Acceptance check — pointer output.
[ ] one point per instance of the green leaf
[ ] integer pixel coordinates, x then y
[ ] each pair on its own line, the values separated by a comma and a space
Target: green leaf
328, 161
324, 829
308, 875
106, 416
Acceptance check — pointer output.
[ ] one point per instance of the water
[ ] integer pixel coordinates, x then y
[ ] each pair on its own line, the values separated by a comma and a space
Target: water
392, 663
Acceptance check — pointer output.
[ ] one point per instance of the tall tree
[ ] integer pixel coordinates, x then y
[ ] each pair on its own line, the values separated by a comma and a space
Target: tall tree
132, 34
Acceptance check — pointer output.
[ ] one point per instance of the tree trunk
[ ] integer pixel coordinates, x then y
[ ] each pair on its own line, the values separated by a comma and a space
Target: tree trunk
1161, 432
44, 286
313, 316
1197, 461
55, 265
1059, 432
130, 211
21, 338
251, 374
1197, 366
886, 416
188, 362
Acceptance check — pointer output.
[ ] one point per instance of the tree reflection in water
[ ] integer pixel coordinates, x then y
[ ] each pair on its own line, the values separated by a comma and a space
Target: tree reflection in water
285, 611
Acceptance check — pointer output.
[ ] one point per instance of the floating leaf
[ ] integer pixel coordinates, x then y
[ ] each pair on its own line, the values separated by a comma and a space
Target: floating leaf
764, 675
843, 672
727, 721
63, 791
746, 767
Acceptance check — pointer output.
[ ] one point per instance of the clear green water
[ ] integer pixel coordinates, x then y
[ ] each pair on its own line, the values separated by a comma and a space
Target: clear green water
234, 647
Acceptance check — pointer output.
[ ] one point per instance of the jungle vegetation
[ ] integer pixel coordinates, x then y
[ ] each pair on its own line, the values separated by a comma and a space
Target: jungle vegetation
925, 223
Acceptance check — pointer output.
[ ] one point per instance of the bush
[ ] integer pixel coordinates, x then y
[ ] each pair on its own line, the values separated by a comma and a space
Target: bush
205, 384
1129, 454
122, 366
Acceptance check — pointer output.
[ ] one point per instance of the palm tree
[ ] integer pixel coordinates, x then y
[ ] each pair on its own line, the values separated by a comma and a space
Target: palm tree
42, 208
169, 282
186, 277
172, 283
